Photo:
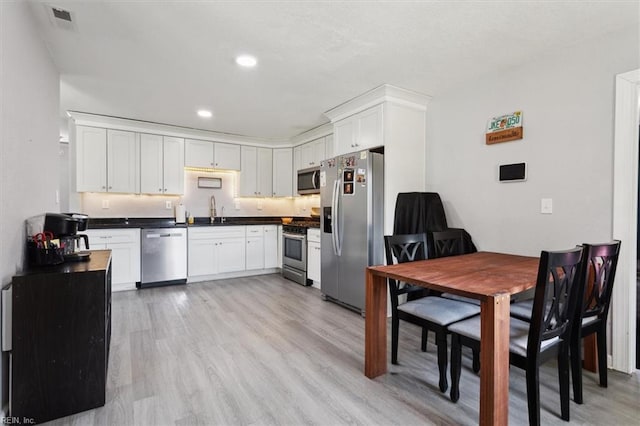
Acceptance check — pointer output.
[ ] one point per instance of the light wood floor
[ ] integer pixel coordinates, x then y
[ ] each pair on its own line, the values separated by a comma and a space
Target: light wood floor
264, 350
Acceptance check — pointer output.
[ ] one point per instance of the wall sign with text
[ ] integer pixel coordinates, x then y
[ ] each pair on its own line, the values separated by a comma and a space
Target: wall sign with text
504, 128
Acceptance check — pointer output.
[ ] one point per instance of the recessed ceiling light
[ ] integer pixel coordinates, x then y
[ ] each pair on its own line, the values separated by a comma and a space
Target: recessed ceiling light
204, 113
246, 61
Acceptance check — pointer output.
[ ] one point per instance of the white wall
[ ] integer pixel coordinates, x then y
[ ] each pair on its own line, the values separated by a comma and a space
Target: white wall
567, 101
29, 132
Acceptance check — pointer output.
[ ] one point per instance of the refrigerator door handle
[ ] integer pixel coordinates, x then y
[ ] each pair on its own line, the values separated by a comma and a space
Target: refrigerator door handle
334, 222
337, 214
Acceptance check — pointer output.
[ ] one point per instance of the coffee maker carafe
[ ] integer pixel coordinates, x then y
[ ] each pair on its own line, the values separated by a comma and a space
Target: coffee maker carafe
72, 248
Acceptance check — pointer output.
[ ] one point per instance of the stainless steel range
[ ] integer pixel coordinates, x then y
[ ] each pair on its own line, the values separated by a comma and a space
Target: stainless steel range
294, 250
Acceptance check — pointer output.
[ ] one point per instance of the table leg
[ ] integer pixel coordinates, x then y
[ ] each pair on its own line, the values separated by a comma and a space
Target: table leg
494, 361
375, 328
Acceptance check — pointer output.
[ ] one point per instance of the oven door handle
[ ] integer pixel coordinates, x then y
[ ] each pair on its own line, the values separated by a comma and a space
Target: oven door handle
295, 237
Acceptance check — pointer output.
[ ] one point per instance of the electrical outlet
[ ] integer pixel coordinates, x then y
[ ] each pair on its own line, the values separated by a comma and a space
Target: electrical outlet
236, 204
105, 204
57, 196
167, 205
546, 206
259, 205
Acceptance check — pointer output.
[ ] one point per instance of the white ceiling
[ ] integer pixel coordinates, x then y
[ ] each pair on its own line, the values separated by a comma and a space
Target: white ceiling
162, 60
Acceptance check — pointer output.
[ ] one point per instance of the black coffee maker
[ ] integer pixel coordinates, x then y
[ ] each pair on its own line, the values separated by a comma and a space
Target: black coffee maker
70, 239
64, 228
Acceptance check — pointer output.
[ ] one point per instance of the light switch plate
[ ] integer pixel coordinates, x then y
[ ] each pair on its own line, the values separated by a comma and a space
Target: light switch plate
167, 205
546, 206
105, 204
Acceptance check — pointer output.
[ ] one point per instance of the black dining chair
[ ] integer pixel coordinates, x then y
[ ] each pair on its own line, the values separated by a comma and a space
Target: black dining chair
592, 313
559, 288
431, 312
451, 243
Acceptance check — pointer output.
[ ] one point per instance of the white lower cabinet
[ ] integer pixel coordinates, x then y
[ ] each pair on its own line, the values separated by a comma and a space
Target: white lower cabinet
231, 255
125, 254
255, 253
215, 250
262, 247
313, 256
271, 252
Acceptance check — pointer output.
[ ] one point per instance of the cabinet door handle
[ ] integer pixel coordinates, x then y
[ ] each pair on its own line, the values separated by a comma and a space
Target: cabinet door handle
111, 187
104, 187
216, 164
212, 164
165, 190
159, 189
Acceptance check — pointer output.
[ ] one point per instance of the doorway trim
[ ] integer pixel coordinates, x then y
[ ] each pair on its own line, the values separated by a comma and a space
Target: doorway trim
625, 211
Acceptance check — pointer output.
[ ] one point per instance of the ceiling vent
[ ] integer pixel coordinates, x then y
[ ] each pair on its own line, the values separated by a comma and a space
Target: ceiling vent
61, 18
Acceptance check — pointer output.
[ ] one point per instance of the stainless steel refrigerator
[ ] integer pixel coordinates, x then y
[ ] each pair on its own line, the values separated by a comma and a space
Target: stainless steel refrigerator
352, 206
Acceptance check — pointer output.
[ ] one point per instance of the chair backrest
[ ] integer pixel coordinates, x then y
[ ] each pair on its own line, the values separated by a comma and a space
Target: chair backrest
448, 243
601, 272
559, 287
404, 248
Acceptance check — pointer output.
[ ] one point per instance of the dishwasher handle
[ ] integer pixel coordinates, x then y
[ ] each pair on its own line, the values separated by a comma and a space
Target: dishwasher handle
163, 235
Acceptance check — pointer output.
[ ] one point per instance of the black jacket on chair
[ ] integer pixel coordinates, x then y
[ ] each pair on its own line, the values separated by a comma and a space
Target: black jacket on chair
418, 212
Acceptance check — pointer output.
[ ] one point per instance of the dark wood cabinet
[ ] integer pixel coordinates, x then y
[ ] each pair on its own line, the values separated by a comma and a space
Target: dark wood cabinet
61, 334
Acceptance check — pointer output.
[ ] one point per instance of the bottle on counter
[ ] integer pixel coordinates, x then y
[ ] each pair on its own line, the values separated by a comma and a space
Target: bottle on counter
191, 219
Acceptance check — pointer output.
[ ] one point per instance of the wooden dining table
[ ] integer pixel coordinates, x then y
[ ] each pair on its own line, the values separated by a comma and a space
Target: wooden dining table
491, 278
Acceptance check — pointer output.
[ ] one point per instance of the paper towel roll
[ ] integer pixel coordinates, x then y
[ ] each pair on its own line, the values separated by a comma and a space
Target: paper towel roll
180, 214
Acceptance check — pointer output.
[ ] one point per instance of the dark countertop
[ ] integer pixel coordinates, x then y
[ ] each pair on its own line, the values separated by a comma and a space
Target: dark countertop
166, 222
98, 261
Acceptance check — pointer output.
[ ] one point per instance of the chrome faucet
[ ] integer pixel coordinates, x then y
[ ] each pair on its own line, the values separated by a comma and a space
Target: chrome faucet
212, 213
222, 218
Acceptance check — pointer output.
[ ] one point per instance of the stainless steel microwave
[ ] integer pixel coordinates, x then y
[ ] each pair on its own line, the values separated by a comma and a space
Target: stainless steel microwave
309, 181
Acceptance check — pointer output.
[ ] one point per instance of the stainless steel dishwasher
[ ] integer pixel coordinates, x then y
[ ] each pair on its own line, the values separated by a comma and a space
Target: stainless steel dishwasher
164, 256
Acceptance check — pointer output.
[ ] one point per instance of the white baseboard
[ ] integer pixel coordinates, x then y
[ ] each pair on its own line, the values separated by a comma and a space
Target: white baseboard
239, 274
609, 362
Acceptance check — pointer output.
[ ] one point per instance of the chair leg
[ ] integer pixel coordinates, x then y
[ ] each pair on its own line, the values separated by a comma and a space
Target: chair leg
576, 368
476, 361
441, 342
456, 367
425, 335
602, 354
395, 325
533, 394
563, 377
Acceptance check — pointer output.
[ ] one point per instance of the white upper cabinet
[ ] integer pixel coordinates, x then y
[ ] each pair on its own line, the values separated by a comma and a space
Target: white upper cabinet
256, 177
360, 131
161, 165
218, 155
265, 172
198, 153
282, 172
226, 156
173, 166
311, 153
328, 147
106, 160
123, 159
91, 159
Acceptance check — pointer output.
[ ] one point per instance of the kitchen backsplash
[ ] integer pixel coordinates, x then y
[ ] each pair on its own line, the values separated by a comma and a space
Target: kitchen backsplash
196, 201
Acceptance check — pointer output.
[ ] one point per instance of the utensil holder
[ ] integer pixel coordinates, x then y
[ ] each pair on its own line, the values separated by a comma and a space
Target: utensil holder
42, 257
